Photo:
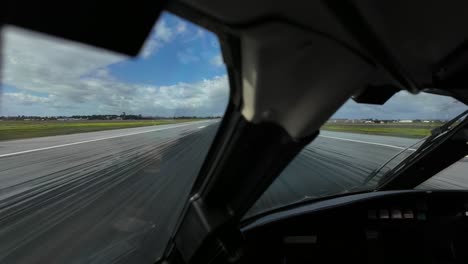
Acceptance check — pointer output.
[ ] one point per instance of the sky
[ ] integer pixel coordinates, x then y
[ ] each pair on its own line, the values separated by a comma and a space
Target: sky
178, 72
404, 105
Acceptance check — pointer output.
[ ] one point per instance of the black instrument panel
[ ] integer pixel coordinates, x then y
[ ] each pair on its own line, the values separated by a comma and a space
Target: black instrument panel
379, 227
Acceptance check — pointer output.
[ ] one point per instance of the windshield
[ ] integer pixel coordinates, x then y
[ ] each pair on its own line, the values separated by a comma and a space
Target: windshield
98, 151
357, 146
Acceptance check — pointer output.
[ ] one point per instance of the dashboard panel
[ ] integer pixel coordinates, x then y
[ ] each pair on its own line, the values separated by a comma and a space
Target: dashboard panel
377, 227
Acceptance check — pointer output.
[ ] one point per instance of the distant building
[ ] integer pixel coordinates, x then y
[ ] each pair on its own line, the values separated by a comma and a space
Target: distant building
405, 121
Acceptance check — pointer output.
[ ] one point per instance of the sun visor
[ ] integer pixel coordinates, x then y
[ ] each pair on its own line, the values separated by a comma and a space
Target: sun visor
377, 95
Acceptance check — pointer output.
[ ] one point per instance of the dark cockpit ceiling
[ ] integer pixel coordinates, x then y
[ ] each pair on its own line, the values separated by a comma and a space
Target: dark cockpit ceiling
424, 39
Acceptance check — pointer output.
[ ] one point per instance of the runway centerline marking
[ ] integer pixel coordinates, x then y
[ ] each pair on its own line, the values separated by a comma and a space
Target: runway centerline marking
87, 141
366, 142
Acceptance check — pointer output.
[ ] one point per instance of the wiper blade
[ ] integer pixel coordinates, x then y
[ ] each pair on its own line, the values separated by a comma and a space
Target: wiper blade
427, 141
371, 176
436, 134
438, 131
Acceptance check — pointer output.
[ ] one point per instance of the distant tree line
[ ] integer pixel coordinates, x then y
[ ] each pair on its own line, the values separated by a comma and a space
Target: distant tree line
23, 117
110, 117
382, 121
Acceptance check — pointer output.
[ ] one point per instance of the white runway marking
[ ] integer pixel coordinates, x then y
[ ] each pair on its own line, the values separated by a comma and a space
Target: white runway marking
200, 127
366, 142
88, 141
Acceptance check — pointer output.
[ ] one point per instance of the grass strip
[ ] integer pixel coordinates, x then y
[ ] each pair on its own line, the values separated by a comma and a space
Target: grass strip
397, 130
10, 130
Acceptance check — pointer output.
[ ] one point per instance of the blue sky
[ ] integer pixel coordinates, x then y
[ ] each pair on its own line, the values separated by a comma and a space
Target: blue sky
179, 71
185, 54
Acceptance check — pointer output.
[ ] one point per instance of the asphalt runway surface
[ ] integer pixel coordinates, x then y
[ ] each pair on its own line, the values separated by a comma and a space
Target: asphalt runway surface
114, 196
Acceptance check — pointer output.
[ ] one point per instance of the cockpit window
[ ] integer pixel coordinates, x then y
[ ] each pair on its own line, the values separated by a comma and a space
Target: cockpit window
357, 146
98, 151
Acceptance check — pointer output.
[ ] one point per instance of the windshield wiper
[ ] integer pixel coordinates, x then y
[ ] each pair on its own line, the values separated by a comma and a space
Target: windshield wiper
427, 141
436, 134
374, 173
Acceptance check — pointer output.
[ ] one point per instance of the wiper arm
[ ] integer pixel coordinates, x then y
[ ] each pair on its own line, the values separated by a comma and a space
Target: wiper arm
427, 141
374, 173
436, 134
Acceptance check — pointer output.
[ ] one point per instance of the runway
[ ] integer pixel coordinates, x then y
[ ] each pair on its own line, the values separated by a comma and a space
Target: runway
114, 196
336, 162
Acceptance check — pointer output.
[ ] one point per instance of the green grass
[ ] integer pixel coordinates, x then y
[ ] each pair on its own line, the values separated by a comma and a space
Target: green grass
412, 130
29, 129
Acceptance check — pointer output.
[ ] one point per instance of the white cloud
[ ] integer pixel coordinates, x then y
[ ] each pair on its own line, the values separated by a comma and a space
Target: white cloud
200, 33
217, 61
161, 35
181, 27
25, 99
36, 63
150, 47
194, 35
207, 97
61, 78
187, 56
163, 32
